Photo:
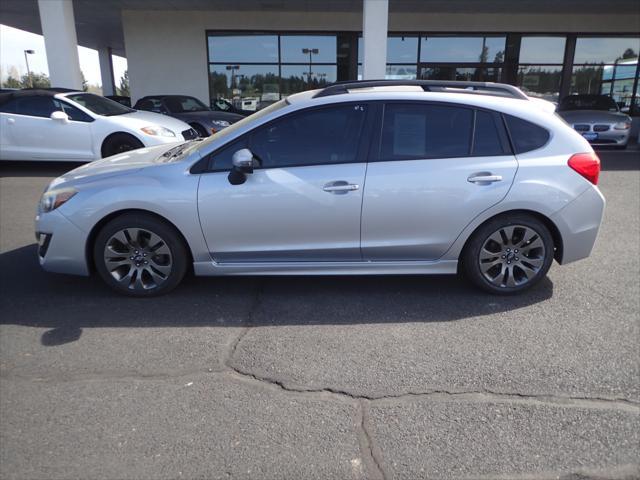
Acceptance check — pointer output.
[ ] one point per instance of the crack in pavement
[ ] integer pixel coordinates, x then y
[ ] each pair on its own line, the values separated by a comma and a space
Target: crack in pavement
613, 403
371, 453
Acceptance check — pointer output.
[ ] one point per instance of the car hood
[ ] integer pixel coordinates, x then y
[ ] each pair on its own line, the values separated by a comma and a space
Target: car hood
126, 162
206, 116
592, 116
139, 119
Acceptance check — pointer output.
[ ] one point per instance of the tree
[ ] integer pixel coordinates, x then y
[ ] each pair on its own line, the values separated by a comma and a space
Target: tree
85, 84
628, 53
12, 82
123, 89
37, 80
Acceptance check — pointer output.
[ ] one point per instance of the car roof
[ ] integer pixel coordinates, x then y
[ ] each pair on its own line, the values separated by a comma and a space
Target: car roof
34, 92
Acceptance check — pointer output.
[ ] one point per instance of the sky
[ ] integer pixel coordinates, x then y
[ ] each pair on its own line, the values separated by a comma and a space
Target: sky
14, 42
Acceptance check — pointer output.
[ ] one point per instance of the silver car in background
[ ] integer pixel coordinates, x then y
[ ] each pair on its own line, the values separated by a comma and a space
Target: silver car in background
597, 118
373, 177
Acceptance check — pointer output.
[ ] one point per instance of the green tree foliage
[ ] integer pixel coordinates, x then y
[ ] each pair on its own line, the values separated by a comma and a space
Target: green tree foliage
12, 82
123, 89
36, 80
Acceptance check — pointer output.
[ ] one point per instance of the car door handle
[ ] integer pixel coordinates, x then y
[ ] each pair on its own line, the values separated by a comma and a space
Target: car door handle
484, 178
340, 187
11, 121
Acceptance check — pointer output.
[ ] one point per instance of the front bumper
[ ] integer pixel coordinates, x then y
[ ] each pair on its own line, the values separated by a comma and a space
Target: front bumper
61, 245
579, 223
609, 138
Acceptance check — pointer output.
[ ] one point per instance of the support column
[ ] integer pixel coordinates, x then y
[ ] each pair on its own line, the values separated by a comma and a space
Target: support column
375, 20
61, 43
106, 71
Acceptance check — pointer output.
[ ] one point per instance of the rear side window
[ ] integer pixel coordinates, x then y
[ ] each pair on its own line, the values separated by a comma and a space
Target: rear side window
525, 136
489, 137
36, 106
416, 131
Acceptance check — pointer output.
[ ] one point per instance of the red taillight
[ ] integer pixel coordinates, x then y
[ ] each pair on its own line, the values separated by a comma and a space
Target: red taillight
587, 165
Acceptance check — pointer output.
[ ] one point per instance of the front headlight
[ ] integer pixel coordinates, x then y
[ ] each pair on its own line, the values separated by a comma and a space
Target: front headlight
158, 131
220, 123
622, 126
53, 199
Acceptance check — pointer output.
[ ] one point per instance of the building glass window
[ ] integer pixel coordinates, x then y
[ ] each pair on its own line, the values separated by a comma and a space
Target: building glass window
253, 71
462, 49
542, 50
606, 66
540, 67
402, 57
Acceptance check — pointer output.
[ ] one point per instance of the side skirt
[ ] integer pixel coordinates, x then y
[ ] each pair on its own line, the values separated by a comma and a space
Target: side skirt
326, 268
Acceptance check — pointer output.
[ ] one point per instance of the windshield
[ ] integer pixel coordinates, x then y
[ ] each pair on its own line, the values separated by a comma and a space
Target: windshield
222, 104
588, 102
179, 104
99, 105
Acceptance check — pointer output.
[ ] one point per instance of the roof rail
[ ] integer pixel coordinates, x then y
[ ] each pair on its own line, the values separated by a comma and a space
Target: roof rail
481, 88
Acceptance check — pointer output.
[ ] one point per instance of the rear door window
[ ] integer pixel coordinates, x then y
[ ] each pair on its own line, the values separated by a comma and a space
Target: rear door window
489, 137
525, 136
418, 131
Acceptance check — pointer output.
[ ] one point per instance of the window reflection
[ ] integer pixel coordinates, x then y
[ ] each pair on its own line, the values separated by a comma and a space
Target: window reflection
243, 48
542, 81
295, 78
253, 71
605, 50
606, 66
461, 74
248, 86
540, 50
462, 49
291, 47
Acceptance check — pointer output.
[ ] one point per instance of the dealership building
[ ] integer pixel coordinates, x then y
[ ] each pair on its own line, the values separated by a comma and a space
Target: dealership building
257, 51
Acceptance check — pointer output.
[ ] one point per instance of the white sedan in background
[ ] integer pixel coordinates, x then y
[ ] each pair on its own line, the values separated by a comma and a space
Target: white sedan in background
78, 126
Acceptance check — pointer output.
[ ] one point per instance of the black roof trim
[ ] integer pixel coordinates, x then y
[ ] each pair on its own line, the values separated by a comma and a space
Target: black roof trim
479, 88
33, 92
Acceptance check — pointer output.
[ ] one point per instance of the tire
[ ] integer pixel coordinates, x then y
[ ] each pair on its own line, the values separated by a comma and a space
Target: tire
202, 132
140, 255
119, 143
502, 265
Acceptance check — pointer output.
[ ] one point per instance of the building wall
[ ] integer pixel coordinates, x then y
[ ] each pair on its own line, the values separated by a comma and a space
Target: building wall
167, 51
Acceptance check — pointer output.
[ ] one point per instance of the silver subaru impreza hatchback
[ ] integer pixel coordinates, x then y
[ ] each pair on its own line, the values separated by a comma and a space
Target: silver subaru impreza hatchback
373, 177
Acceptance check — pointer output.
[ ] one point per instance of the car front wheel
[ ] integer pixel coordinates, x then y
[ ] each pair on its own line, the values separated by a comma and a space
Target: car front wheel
508, 254
140, 255
119, 143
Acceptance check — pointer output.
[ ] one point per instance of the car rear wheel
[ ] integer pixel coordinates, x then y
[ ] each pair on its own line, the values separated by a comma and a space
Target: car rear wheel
508, 254
119, 143
140, 255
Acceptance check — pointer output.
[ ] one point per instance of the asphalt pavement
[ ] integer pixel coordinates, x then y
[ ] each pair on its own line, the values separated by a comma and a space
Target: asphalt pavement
328, 377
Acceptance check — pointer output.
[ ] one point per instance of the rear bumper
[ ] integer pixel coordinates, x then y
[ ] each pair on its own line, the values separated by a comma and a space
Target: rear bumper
61, 244
579, 223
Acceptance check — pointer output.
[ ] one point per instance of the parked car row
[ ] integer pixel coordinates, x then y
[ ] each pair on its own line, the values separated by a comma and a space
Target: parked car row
78, 126
65, 125
190, 110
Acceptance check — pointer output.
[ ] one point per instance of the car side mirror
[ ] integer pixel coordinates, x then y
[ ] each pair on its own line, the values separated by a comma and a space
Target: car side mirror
59, 116
243, 163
